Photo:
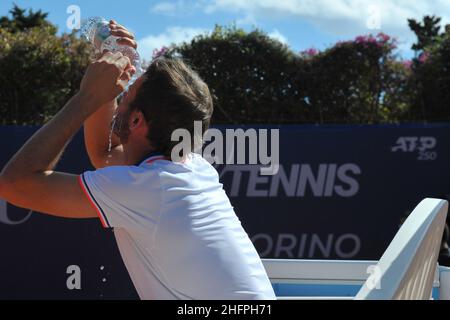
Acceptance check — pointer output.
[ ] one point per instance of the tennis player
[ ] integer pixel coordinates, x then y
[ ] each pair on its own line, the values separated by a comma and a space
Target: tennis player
175, 227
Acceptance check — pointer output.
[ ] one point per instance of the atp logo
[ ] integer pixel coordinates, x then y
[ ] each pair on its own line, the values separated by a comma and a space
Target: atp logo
424, 147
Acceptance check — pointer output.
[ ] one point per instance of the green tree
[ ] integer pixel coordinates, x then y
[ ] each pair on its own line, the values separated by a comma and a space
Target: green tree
21, 20
39, 71
427, 31
356, 81
431, 82
256, 79
253, 78
250, 75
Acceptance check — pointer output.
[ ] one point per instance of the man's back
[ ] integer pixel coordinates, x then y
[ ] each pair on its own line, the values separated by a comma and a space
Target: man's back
177, 232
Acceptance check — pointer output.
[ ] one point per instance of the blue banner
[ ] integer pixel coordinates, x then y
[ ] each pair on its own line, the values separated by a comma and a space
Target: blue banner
340, 193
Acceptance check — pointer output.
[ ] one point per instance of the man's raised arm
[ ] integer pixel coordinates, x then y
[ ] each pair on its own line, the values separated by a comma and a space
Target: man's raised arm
28, 179
97, 131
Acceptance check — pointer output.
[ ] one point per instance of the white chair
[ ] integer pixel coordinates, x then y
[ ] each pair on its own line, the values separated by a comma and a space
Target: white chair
407, 268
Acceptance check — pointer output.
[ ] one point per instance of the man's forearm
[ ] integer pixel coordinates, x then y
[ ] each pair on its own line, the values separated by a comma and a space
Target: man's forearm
101, 83
97, 134
97, 130
42, 150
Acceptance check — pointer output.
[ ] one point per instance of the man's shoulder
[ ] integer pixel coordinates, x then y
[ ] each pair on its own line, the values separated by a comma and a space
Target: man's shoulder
122, 169
125, 182
122, 173
198, 159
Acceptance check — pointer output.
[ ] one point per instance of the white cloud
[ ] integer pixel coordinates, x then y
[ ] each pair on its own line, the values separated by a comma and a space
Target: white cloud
247, 20
177, 8
277, 35
342, 18
171, 35
339, 17
164, 8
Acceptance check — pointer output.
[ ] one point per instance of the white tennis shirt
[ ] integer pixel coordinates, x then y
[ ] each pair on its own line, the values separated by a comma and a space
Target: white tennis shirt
176, 231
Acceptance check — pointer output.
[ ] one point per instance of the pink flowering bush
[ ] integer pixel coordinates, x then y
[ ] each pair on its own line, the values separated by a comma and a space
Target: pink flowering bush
423, 57
380, 40
309, 53
357, 81
407, 64
431, 79
256, 79
160, 52
252, 77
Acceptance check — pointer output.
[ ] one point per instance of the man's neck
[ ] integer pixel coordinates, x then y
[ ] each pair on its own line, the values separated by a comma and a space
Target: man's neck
135, 156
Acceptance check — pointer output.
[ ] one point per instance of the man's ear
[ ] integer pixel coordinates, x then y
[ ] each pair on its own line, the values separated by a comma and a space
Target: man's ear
138, 124
136, 120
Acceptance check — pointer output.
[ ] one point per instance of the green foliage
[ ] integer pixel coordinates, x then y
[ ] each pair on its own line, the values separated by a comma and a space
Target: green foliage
20, 21
355, 81
39, 71
426, 31
256, 79
431, 80
250, 75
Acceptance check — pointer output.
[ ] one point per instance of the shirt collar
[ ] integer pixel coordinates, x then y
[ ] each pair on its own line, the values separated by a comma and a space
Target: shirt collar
152, 157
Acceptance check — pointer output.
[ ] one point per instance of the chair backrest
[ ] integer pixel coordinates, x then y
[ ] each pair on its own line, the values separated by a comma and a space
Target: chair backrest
406, 269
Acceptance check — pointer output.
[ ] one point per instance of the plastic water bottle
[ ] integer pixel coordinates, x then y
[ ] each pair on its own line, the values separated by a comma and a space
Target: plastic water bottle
96, 31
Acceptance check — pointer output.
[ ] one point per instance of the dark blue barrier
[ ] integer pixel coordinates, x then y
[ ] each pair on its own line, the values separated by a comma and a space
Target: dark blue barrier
341, 193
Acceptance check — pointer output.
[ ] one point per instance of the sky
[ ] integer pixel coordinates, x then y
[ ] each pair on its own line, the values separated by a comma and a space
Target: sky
301, 24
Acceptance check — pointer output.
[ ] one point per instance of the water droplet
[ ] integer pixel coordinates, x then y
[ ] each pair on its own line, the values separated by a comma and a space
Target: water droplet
113, 123
104, 280
102, 267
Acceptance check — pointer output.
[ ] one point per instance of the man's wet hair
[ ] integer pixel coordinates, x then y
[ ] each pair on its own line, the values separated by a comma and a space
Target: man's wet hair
172, 96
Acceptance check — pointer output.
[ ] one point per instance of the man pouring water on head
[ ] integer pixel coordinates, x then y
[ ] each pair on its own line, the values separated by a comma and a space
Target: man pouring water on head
175, 227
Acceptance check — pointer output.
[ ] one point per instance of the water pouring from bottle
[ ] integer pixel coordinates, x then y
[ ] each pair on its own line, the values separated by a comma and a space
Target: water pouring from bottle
97, 32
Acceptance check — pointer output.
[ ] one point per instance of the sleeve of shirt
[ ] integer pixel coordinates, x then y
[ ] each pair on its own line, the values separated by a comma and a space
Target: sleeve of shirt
126, 197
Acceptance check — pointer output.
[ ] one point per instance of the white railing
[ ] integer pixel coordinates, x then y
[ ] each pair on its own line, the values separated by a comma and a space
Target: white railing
407, 269
335, 272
